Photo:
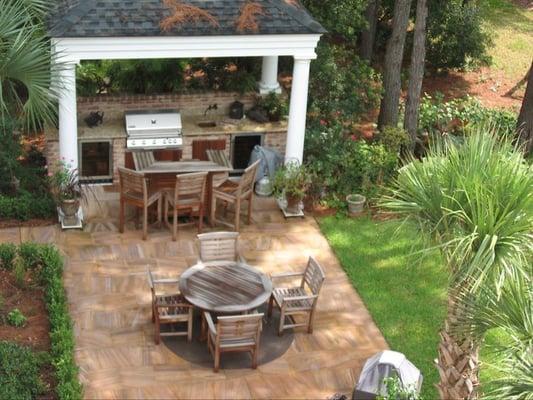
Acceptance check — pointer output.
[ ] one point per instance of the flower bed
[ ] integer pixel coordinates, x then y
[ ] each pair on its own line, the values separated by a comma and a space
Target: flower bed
37, 269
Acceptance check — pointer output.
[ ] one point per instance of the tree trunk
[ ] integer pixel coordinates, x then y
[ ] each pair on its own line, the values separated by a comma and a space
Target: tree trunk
416, 73
525, 118
369, 34
458, 362
388, 113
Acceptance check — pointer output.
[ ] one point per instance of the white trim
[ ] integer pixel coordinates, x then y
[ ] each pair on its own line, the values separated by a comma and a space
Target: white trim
115, 48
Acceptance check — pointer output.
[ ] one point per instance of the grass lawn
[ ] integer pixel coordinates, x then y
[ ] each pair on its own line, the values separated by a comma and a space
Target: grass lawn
405, 292
511, 28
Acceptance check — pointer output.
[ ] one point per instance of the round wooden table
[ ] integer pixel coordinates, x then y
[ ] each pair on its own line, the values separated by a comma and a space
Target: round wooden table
225, 287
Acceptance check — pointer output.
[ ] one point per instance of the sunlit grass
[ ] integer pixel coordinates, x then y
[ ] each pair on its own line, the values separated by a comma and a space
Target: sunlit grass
511, 28
405, 292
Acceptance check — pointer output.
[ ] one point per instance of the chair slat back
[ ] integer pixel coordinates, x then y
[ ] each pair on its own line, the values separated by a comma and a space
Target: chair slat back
219, 157
143, 159
132, 182
313, 276
248, 178
218, 246
191, 186
240, 327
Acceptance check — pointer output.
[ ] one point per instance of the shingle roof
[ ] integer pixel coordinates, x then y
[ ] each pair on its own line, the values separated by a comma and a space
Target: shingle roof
119, 18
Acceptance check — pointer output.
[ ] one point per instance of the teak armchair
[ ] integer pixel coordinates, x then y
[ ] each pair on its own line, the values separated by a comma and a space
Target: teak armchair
142, 159
300, 299
169, 308
134, 190
236, 193
239, 333
188, 195
219, 246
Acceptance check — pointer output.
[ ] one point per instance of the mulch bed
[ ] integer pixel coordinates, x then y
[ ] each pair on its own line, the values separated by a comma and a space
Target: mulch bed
14, 223
30, 301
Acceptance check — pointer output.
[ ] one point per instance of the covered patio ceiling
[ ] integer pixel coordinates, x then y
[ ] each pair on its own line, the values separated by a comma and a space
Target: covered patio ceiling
125, 29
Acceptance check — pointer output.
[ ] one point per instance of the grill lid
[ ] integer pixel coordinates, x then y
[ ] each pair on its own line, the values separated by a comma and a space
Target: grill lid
153, 123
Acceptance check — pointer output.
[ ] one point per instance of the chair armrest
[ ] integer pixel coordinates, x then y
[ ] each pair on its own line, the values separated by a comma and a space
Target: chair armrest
285, 275
298, 298
167, 280
163, 304
210, 323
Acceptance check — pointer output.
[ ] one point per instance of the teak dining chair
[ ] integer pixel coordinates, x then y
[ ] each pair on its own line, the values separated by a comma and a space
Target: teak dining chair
300, 299
236, 193
142, 159
240, 333
134, 190
219, 246
188, 195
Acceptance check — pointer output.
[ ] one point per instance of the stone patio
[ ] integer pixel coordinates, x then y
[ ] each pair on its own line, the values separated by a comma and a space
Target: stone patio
105, 277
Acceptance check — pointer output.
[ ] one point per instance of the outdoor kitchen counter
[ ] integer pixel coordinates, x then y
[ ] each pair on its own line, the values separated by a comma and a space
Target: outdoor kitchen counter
115, 128
227, 126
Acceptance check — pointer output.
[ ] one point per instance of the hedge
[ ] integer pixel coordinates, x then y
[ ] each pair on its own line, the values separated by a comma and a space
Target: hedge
26, 206
46, 263
19, 372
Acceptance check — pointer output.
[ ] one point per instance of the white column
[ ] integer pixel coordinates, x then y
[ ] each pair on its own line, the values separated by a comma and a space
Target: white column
68, 121
269, 76
298, 110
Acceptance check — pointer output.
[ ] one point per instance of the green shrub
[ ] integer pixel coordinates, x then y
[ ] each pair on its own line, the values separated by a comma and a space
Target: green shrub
61, 333
392, 138
342, 86
25, 206
16, 318
19, 273
343, 164
31, 254
439, 117
19, 373
8, 252
456, 38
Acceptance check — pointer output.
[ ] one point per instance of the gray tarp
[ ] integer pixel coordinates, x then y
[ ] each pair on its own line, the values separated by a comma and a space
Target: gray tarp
386, 364
270, 161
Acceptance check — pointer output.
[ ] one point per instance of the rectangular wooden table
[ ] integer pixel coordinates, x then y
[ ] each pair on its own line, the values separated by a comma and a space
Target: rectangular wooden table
162, 175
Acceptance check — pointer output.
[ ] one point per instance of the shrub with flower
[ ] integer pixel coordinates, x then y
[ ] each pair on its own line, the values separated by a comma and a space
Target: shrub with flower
64, 182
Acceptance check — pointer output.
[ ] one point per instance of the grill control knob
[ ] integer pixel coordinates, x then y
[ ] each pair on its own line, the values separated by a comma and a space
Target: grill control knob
133, 142
143, 142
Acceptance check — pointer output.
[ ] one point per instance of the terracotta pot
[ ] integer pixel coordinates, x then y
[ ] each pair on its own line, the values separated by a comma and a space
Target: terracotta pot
70, 207
293, 204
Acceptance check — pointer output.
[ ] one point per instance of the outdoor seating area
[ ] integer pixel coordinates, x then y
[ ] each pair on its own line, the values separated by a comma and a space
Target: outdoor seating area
184, 188
124, 294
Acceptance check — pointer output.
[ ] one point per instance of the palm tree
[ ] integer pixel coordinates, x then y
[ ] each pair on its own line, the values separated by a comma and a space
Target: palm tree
474, 201
511, 312
27, 64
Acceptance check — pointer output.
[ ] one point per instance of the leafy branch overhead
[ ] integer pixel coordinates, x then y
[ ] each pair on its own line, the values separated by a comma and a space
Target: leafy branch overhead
185, 13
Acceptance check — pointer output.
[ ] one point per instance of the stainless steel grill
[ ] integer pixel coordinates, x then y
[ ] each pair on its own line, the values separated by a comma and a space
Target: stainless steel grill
153, 129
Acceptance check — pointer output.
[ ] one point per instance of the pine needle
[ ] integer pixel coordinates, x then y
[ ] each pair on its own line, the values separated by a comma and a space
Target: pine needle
185, 13
248, 18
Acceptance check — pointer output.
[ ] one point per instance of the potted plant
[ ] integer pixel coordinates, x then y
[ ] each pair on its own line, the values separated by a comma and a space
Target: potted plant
274, 105
292, 181
66, 189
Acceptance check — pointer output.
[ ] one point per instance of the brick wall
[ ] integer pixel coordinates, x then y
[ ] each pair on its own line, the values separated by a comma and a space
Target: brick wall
193, 103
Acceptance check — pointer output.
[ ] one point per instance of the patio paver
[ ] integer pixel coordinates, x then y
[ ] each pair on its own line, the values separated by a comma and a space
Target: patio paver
109, 296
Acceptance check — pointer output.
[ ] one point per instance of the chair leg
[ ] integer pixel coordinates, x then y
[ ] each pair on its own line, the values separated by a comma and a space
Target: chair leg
237, 214
250, 202
121, 216
201, 218
213, 210
174, 224
310, 323
281, 322
254, 357
145, 222
270, 306
189, 324
159, 211
153, 313
217, 360
157, 331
